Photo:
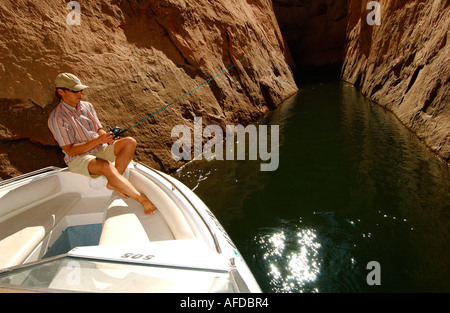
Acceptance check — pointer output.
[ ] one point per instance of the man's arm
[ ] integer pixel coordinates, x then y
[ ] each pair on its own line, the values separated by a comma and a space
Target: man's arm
79, 148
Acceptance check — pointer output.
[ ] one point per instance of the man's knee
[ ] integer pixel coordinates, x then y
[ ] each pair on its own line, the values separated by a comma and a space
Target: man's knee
101, 167
107, 166
131, 142
127, 144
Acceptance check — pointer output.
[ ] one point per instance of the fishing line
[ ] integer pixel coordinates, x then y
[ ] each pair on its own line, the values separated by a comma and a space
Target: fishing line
116, 130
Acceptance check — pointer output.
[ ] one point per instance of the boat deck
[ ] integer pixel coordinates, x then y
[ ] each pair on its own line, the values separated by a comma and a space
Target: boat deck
112, 242
35, 212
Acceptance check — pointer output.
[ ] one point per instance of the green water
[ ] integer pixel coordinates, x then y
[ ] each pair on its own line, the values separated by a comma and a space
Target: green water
353, 186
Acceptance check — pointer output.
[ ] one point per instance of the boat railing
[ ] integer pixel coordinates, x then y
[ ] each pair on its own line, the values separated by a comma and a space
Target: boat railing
205, 221
30, 174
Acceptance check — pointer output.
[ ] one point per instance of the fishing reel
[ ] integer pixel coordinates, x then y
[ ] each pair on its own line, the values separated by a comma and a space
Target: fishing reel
116, 131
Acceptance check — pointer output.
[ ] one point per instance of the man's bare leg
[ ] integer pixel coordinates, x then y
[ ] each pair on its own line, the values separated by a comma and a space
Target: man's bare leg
120, 183
124, 150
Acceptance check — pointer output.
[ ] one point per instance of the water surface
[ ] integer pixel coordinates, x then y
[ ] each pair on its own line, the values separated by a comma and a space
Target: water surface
353, 186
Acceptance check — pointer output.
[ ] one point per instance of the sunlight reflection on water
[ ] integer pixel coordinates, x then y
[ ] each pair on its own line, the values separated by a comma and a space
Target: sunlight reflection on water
299, 260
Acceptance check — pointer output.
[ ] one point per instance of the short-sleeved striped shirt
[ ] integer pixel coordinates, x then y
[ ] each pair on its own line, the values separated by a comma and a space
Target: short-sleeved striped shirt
71, 126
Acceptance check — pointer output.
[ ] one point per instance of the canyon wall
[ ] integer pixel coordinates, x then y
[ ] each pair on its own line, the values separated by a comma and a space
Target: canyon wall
403, 64
137, 57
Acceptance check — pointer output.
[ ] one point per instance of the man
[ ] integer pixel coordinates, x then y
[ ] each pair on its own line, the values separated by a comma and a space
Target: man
88, 149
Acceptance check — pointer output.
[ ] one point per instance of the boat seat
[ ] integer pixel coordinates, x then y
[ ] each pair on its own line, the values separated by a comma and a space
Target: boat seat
126, 222
19, 197
28, 214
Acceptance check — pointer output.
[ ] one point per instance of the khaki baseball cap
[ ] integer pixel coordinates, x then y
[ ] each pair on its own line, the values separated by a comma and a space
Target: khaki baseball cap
69, 81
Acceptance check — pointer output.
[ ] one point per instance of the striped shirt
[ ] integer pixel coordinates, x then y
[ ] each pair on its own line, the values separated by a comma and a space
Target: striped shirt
71, 126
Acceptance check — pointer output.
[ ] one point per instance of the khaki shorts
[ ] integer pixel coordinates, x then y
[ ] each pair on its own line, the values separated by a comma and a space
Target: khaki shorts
80, 164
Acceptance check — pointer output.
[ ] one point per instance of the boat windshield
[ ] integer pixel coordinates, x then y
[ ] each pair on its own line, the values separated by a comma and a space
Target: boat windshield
72, 274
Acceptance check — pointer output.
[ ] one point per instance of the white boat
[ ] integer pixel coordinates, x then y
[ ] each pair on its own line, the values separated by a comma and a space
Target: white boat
63, 232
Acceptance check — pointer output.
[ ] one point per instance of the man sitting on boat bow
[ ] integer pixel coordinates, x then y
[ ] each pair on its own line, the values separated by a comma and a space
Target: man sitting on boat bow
88, 149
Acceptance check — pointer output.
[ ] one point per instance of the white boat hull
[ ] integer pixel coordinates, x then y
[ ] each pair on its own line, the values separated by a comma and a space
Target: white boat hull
183, 235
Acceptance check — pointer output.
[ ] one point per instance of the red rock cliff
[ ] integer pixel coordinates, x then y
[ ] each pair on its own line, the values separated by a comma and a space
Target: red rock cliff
137, 56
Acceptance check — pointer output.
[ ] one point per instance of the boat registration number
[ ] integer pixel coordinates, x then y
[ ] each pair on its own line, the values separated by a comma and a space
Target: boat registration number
137, 256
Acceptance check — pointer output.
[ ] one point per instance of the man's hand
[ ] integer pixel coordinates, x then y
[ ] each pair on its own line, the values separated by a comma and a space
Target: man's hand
106, 138
79, 148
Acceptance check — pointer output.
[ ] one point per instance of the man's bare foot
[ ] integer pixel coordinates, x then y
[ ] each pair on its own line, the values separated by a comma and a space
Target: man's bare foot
108, 185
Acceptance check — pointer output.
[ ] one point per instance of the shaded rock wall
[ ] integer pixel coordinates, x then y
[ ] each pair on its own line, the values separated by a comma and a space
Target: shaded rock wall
315, 31
404, 64
137, 56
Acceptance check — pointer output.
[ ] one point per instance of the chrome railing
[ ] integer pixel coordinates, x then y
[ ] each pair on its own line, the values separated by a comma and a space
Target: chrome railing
30, 174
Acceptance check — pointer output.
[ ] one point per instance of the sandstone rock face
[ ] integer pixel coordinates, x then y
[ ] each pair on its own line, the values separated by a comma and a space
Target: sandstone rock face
404, 64
137, 57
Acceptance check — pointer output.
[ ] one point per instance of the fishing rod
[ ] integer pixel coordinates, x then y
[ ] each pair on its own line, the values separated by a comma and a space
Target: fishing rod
117, 131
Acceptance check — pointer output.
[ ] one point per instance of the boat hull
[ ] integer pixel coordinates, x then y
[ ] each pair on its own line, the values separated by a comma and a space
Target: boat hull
183, 234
